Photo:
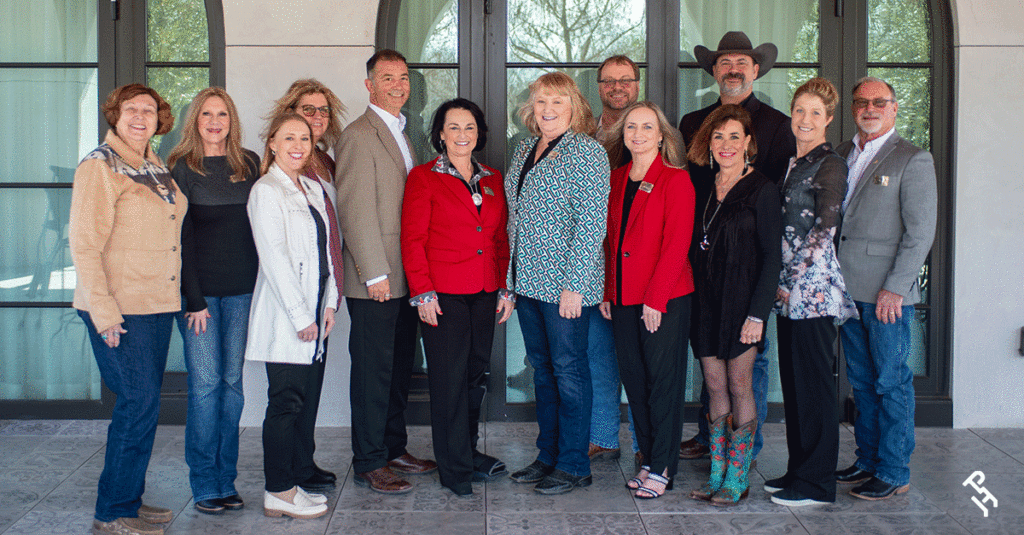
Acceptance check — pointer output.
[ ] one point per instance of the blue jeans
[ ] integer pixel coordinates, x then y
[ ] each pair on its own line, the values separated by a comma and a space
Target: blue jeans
557, 350
604, 377
214, 362
883, 389
759, 384
134, 372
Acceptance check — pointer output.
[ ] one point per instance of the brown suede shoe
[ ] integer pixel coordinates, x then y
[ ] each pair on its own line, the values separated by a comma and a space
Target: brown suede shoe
407, 464
384, 481
597, 452
691, 449
155, 515
125, 526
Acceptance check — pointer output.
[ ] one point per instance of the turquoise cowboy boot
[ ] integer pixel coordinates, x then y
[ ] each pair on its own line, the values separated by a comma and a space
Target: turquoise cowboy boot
719, 443
737, 485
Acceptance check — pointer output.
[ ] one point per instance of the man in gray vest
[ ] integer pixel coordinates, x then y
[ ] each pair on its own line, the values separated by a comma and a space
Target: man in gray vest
887, 232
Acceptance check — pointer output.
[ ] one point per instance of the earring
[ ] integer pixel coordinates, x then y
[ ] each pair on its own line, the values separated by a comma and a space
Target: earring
711, 157
660, 142
746, 162
273, 152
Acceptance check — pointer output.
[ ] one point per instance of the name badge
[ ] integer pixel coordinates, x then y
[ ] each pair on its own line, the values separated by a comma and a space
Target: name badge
646, 186
488, 191
882, 180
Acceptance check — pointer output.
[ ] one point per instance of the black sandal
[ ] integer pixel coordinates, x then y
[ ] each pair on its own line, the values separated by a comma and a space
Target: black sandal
487, 468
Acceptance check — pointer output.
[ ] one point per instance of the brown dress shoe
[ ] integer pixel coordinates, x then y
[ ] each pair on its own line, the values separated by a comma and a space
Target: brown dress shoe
597, 452
383, 480
125, 526
155, 515
407, 464
691, 449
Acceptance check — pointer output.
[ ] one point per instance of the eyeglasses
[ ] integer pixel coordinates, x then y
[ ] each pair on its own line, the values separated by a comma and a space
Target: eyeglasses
310, 110
861, 103
623, 82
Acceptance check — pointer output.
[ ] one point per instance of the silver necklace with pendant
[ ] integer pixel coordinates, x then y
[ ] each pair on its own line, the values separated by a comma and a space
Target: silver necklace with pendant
706, 223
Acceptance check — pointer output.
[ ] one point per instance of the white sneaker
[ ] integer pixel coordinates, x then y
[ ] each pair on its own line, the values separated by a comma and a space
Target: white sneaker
315, 499
274, 507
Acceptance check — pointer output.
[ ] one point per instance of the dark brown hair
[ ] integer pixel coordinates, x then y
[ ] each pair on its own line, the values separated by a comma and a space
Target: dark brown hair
112, 107
619, 60
385, 54
699, 152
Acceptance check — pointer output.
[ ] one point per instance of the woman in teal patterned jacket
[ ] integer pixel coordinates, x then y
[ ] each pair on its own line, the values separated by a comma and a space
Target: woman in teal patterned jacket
557, 191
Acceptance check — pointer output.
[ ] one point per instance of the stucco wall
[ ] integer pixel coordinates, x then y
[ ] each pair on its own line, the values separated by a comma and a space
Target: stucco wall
988, 371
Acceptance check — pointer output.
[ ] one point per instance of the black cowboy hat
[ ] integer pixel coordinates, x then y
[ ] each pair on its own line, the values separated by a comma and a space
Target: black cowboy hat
737, 43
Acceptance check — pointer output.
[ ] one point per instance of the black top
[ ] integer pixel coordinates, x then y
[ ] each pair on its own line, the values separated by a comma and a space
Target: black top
772, 134
532, 160
218, 256
632, 186
738, 273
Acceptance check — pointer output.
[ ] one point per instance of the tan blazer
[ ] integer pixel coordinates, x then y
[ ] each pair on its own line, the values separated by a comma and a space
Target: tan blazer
370, 178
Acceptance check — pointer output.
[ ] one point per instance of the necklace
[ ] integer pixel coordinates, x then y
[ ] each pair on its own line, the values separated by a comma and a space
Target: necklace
706, 223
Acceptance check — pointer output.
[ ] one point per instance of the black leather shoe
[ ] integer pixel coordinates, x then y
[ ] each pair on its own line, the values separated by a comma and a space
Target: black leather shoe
232, 503
561, 482
461, 489
325, 474
777, 484
209, 507
853, 475
533, 473
876, 489
317, 483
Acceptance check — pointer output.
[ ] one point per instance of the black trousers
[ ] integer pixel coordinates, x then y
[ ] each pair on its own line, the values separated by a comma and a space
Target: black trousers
806, 358
307, 424
382, 344
290, 392
653, 371
458, 354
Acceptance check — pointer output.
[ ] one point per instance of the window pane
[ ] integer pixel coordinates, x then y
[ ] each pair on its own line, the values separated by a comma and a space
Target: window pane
54, 31
429, 88
914, 94
697, 89
428, 31
544, 31
899, 31
35, 262
177, 85
55, 115
792, 25
177, 31
46, 356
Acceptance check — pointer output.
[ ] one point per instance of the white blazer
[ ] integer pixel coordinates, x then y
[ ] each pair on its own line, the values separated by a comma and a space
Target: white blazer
285, 299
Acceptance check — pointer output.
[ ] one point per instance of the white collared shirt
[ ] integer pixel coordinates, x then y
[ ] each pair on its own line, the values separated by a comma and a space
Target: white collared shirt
858, 160
397, 127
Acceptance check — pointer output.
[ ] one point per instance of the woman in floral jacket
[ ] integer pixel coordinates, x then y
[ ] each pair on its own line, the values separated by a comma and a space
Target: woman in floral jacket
811, 300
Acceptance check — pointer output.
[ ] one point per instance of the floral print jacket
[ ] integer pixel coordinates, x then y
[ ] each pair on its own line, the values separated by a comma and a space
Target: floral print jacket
812, 195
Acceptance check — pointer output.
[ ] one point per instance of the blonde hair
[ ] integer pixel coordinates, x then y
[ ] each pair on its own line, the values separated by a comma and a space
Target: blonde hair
672, 150
307, 86
559, 83
191, 145
821, 88
275, 124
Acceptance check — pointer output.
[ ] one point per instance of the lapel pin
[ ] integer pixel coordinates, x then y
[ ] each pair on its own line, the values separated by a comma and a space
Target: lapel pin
882, 180
646, 186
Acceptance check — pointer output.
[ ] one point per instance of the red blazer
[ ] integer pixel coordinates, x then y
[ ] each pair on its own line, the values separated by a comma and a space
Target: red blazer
655, 265
446, 245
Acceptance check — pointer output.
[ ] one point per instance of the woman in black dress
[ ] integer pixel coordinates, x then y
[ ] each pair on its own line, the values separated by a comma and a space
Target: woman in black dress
736, 259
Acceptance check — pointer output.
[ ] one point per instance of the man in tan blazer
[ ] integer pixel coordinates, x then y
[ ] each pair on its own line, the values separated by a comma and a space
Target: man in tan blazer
374, 158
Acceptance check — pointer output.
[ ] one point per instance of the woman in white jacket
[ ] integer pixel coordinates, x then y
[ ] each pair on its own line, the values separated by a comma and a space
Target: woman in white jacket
292, 307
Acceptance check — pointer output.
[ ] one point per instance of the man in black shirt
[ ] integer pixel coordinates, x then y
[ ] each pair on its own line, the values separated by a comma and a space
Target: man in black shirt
735, 65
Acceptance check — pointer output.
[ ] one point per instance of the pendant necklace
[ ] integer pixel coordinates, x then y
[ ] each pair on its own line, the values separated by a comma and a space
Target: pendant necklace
705, 244
477, 198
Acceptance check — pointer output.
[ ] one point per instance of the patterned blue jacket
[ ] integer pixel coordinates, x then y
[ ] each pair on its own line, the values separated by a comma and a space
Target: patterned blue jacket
556, 225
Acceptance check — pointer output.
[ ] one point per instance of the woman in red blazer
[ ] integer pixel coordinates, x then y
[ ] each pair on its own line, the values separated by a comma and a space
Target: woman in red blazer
455, 254
648, 282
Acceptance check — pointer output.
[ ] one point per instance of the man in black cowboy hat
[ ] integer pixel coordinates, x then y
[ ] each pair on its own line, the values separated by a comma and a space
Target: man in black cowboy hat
735, 65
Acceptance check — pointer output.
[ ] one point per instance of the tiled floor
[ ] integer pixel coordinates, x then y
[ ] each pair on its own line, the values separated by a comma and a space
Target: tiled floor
48, 473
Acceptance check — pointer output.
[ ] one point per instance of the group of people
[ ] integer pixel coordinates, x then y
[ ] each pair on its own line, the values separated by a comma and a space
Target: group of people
619, 240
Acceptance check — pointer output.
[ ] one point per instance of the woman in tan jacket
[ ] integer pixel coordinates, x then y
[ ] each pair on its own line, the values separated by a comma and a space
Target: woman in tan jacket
125, 236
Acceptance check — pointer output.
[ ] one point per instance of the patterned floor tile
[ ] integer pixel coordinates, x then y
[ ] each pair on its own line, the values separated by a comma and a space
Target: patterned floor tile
880, 523
52, 523
547, 523
428, 523
676, 524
